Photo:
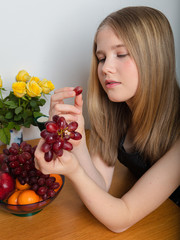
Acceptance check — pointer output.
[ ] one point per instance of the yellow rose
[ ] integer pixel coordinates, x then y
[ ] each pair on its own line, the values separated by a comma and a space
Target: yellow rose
19, 89
33, 89
23, 76
36, 79
0, 82
47, 86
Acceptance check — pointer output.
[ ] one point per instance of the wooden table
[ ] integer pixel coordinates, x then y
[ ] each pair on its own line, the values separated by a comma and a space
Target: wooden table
66, 218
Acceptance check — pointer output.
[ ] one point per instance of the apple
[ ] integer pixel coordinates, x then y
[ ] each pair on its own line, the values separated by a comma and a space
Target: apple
7, 185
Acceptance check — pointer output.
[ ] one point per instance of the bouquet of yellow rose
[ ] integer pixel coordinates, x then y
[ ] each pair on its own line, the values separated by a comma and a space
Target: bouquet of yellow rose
22, 105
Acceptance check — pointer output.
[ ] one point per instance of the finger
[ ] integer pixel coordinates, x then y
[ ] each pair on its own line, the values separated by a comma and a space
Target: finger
64, 89
36, 164
59, 96
78, 102
66, 108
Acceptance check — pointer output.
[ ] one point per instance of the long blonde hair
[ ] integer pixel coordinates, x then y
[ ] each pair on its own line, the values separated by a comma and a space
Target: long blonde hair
154, 117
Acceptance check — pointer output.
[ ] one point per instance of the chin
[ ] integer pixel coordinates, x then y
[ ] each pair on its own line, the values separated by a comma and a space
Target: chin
115, 99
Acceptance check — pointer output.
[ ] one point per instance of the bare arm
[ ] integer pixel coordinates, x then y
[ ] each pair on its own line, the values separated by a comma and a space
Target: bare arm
149, 192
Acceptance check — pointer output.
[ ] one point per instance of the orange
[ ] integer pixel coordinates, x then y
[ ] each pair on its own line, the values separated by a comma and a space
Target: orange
27, 197
58, 179
13, 199
20, 186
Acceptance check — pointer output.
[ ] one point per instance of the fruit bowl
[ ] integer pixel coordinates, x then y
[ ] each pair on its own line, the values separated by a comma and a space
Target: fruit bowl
29, 209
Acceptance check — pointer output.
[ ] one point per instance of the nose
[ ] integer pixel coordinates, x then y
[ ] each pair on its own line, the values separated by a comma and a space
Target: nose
108, 66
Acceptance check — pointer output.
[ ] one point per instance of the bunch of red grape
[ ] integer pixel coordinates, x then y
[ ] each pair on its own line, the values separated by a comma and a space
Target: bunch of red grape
56, 136
18, 160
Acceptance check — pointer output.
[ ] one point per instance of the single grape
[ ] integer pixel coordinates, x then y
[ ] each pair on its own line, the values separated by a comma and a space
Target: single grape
41, 181
6, 151
49, 182
21, 159
78, 90
55, 185
57, 145
15, 145
51, 127
48, 156
59, 153
26, 155
44, 133
55, 118
51, 138
51, 193
76, 136
14, 164
62, 124
72, 126
42, 190
27, 148
13, 151
67, 146
45, 196
46, 147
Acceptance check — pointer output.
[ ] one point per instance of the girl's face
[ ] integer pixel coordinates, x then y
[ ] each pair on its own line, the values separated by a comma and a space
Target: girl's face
117, 71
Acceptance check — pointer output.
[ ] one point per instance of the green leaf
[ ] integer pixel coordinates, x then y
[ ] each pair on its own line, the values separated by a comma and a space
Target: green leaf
18, 117
42, 102
11, 125
27, 113
9, 115
11, 104
1, 104
33, 103
18, 110
2, 118
37, 114
5, 135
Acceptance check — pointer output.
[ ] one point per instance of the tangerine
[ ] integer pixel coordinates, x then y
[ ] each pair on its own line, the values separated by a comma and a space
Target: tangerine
58, 179
21, 186
27, 197
13, 199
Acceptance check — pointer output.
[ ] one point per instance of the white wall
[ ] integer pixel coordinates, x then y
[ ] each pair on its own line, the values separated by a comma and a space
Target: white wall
53, 39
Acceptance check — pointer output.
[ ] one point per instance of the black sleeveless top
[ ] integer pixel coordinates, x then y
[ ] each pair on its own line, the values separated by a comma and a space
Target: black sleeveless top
135, 163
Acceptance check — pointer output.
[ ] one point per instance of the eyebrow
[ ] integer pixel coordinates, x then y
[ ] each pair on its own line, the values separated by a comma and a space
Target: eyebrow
113, 47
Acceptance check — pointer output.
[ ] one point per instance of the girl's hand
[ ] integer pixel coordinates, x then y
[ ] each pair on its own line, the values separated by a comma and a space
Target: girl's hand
69, 112
66, 164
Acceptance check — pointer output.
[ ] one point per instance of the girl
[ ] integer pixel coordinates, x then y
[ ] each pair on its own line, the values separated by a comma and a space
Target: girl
134, 108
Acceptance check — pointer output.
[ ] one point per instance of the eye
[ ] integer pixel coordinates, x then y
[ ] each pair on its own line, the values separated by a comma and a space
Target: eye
101, 60
122, 55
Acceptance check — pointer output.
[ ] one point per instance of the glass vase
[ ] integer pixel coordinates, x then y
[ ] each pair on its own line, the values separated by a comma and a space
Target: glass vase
16, 136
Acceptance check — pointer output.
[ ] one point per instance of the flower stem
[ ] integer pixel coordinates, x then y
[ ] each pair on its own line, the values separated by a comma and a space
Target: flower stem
1, 94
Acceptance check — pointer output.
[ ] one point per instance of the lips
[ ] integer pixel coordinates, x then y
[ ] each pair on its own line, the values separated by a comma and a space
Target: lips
111, 82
